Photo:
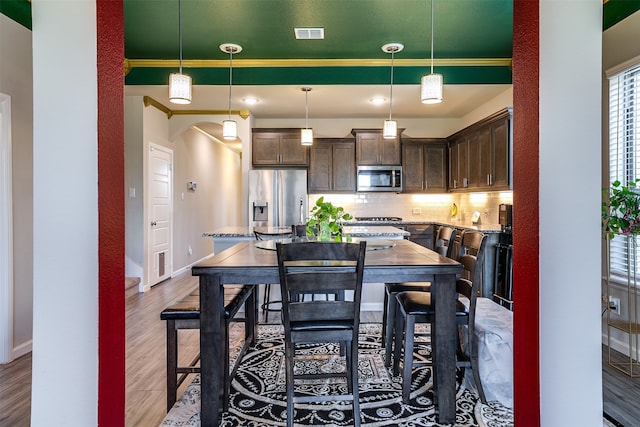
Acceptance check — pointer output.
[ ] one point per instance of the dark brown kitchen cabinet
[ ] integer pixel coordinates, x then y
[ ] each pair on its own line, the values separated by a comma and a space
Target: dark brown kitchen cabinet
459, 163
332, 165
278, 147
372, 149
422, 234
480, 155
424, 165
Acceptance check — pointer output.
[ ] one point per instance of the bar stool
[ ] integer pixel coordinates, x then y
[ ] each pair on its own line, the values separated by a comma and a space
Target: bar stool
267, 302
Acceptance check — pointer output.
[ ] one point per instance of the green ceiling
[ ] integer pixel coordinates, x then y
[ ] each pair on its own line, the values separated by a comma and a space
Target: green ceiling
472, 41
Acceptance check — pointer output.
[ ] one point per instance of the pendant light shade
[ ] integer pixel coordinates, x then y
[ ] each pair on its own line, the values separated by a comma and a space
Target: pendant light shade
431, 88
431, 84
230, 127
306, 136
390, 128
179, 88
180, 84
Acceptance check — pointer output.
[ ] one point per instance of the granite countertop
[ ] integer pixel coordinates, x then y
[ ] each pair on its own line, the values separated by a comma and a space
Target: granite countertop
369, 230
486, 228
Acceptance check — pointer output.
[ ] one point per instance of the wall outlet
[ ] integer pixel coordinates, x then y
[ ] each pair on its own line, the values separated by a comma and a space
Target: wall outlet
416, 211
614, 305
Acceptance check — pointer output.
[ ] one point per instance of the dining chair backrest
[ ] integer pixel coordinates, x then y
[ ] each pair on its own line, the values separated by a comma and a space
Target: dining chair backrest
320, 267
471, 256
262, 236
298, 230
444, 240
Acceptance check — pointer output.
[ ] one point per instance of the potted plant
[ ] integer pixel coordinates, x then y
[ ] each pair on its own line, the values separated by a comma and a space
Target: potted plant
621, 209
325, 221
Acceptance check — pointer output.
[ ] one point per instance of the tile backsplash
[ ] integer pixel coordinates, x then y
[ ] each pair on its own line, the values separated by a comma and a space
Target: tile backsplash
422, 207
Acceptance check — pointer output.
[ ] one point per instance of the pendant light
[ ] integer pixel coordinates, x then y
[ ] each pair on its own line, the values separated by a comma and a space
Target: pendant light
306, 136
180, 84
390, 128
431, 84
230, 127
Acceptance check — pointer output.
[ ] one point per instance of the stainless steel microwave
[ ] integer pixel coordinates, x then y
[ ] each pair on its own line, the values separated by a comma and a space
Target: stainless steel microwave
380, 178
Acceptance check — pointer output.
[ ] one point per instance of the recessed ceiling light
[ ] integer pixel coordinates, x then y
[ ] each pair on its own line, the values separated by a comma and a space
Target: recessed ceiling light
378, 100
309, 33
250, 100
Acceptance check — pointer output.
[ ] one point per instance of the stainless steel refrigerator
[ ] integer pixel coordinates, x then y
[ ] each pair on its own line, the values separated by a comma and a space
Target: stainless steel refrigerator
277, 197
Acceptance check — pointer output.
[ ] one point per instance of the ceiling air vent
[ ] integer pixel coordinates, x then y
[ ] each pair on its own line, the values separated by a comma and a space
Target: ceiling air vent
309, 33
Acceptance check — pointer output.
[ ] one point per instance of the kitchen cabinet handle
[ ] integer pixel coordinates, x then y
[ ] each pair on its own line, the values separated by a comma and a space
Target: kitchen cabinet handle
488, 179
465, 182
153, 223
455, 183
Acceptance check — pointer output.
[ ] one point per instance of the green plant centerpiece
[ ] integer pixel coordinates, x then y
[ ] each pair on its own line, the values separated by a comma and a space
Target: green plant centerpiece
621, 209
325, 222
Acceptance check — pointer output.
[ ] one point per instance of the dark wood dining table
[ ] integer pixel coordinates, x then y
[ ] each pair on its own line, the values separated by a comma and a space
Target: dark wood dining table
404, 261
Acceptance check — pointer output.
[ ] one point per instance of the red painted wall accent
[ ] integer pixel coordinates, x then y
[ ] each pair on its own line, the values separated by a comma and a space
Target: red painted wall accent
111, 316
526, 47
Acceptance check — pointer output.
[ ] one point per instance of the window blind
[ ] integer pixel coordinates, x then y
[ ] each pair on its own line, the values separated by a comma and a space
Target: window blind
624, 160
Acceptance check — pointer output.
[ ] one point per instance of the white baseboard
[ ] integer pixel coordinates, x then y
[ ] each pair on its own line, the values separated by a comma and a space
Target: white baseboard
188, 267
22, 349
371, 306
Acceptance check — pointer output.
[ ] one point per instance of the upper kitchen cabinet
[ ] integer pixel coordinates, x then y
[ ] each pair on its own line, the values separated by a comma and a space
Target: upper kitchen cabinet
372, 149
424, 165
332, 166
480, 155
278, 147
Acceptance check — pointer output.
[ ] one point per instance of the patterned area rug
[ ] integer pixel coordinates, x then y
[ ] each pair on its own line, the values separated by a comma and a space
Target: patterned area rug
258, 396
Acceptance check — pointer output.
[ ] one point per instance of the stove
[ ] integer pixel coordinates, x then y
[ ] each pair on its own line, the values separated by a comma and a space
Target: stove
378, 218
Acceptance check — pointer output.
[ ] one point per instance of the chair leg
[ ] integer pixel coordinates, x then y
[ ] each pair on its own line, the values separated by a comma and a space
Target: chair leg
172, 363
289, 353
349, 364
266, 299
353, 379
226, 378
473, 358
389, 326
397, 342
385, 304
408, 357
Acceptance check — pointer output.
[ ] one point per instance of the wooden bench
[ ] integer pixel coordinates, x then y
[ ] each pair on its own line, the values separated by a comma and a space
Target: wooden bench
185, 314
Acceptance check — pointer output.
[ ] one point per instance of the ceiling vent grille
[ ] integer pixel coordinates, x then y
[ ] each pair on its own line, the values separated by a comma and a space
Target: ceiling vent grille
309, 33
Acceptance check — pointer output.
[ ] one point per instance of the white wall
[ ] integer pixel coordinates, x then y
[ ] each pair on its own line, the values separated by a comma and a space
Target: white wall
569, 203
134, 179
16, 69
65, 254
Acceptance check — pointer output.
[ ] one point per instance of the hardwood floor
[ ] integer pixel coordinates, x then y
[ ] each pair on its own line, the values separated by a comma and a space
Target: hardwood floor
145, 366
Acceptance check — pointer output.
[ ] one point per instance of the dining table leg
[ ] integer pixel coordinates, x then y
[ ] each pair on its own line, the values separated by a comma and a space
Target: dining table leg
443, 292
211, 323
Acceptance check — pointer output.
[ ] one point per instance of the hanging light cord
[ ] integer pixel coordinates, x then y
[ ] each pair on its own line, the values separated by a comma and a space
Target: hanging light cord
306, 109
431, 36
230, 77
393, 50
180, 31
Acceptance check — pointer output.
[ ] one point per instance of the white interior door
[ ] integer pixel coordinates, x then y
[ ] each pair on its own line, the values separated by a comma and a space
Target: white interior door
159, 211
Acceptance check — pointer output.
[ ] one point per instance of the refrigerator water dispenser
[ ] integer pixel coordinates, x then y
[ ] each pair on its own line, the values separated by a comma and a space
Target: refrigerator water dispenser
260, 210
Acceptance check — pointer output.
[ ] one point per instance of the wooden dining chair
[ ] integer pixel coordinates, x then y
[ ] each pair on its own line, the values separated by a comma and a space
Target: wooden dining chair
443, 245
321, 267
416, 306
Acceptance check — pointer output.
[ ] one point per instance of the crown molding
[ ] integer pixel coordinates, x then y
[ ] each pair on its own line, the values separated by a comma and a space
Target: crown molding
149, 101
